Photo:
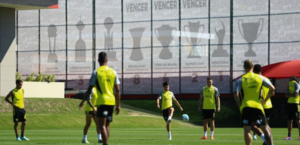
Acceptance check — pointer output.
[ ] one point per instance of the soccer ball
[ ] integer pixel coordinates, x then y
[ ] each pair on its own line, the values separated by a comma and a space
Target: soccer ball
185, 118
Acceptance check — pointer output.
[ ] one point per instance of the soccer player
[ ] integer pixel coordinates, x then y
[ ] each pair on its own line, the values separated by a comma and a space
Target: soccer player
209, 95
89, 116
166, 106
292, 111
249, 87
267, 106
106, 81
19, 113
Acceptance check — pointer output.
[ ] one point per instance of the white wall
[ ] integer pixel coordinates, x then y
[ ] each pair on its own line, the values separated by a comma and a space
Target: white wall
44, 89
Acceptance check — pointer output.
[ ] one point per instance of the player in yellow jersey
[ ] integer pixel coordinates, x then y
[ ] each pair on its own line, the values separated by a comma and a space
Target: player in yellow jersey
267, 106
106, 80
19, 113
167, 108
209, 95
293, 108
90, 114
249, 87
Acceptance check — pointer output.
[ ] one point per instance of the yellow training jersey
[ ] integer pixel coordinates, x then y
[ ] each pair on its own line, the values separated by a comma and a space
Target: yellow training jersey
167, 99
93, 98
18, 98
265, 90
106, 81
294, 100
251, 89
209, 101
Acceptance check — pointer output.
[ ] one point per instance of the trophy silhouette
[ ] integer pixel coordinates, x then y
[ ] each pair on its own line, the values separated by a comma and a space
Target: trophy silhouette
80, 44
165, 78
220, 52
52, 58
194, 29
165, 37
250, 31
136, 53
108, 24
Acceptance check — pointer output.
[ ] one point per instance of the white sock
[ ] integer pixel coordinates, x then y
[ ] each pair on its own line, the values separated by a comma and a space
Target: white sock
205, 133
99, 137
263, 137
212, 133
169, 118
84, 136
169, 133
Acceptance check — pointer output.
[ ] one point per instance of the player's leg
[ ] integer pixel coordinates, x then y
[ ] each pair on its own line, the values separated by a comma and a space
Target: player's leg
289, 117
298, 122
102, 124
97, 129
289, 126
268, 135
247, 135
257, 131
16, 130
88, 120
170, 112
205, 127
212, 128
23, 120
169, 131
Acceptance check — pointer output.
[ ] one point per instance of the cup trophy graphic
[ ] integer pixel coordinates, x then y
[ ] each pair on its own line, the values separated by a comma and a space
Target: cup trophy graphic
220, 52
80, 44
193, 30
108, 38
165, 37
136, 34
249, 33
52, 57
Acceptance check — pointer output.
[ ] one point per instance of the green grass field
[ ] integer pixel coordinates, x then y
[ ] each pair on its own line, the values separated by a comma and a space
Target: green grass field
59, 121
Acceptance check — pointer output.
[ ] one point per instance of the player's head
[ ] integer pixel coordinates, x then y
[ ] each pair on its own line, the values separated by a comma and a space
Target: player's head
209, 81
102, 58
293, 78
19, 84
248, 65
166, 86
257, 69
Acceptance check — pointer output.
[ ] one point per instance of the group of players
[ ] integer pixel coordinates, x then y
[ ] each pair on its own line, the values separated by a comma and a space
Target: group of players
252, 94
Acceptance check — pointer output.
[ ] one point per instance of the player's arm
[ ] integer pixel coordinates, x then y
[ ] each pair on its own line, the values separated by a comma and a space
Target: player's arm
10, 94
269, 85
118, 98
200, 100
296, 93
217, 95
177, 103
157, 102
237, 90
89, 90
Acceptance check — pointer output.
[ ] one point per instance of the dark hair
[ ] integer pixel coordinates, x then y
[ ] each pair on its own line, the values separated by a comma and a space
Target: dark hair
257, 68
293, 78
102, 57
209, 78
165, 84
248, 64
18, 81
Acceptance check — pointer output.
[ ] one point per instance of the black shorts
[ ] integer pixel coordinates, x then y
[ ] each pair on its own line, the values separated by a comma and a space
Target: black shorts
166, 113
105, 111
19, 115
90, 112
292, 111
250, 115
208, 113
268, 113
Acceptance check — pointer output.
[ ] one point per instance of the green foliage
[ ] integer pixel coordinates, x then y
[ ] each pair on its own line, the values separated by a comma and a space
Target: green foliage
49, 78
30, 78
18, 76
40, 78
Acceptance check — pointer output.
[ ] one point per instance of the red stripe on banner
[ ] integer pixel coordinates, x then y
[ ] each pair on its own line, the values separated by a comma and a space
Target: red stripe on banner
54, 6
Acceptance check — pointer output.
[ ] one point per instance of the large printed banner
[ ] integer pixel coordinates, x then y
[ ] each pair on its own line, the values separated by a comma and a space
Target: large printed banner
285, 36
28, 59
109, 32
137, 46
53, 41
194, 45
80, 44
250, 33
220, 44
165, 44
